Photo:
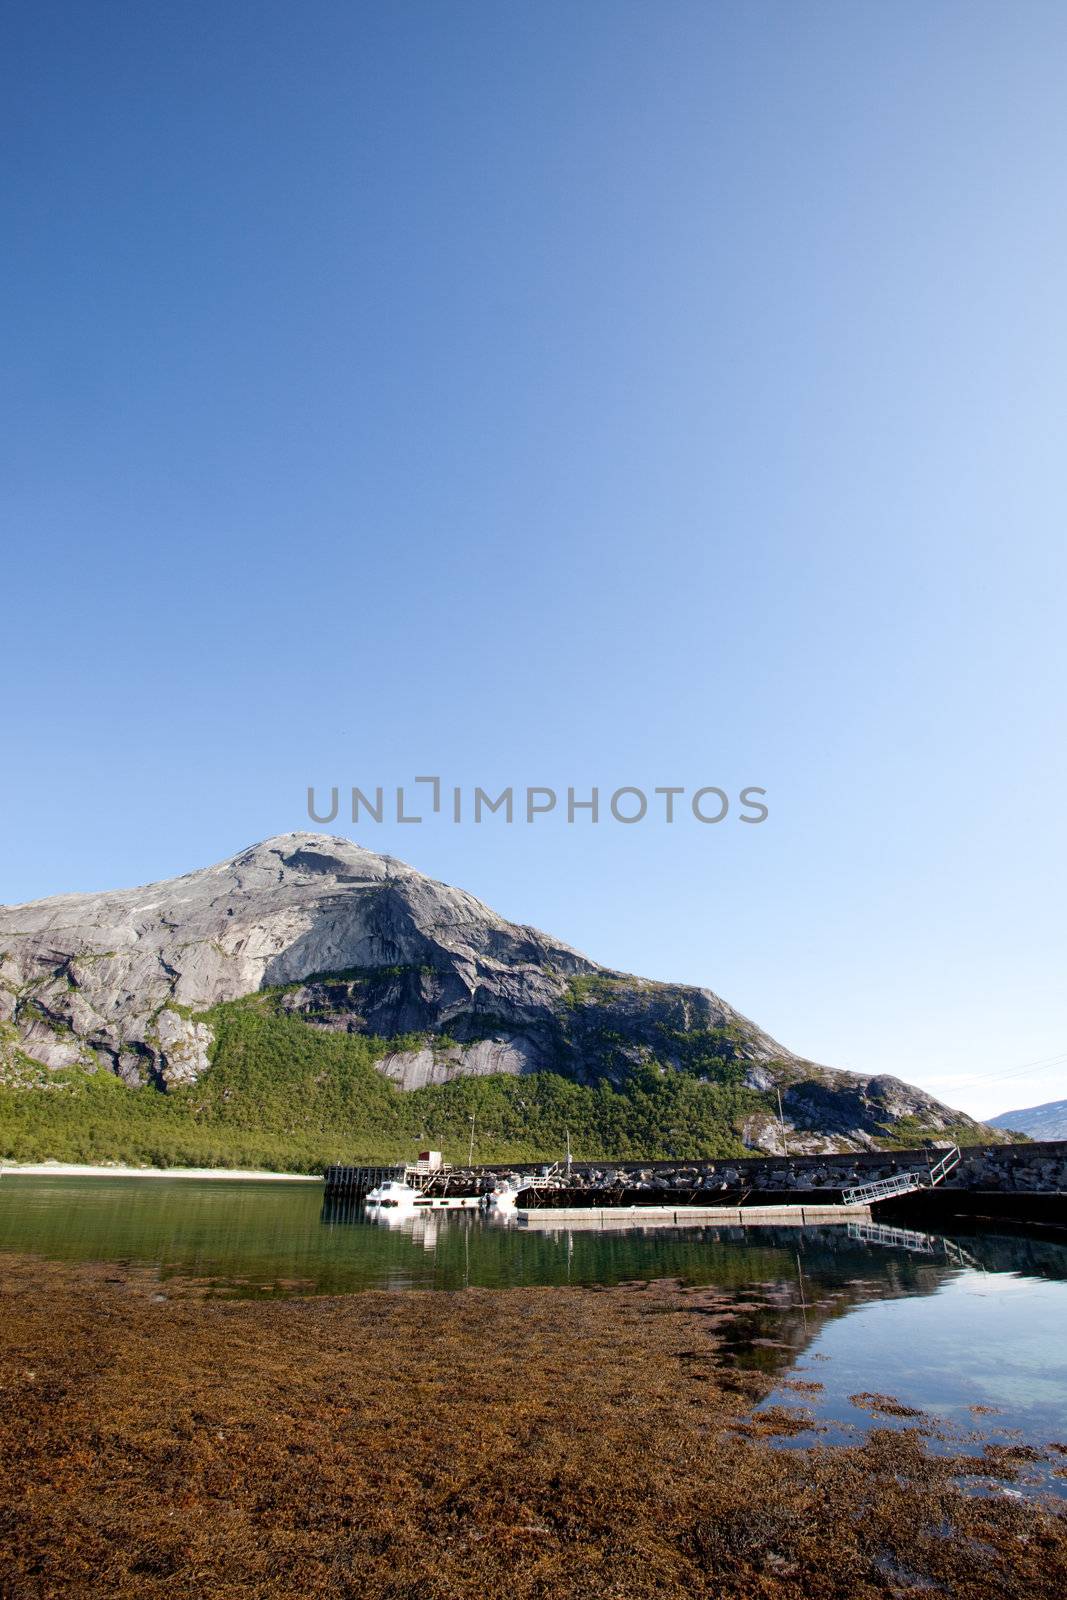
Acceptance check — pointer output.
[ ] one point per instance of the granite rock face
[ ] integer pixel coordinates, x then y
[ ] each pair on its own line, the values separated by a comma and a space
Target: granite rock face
359, 942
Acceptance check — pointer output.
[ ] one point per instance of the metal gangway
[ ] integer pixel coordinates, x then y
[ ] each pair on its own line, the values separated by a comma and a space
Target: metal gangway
867, 1194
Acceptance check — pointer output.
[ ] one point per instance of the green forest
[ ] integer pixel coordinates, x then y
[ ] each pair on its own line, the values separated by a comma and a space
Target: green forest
283, 1095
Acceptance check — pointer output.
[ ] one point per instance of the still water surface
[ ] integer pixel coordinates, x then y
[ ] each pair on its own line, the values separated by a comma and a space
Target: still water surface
945, 1325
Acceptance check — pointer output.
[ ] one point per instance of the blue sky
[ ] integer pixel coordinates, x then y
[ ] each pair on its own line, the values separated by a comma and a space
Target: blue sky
552, 394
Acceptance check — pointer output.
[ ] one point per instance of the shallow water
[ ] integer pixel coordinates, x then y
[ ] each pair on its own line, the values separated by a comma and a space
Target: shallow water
982, 1359
944, 1325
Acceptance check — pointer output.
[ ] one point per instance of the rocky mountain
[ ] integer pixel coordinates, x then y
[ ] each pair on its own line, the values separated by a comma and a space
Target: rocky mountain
351, 941
1048, 1121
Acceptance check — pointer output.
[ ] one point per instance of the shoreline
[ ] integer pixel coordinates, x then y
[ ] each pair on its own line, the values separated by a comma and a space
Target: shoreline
73, 1169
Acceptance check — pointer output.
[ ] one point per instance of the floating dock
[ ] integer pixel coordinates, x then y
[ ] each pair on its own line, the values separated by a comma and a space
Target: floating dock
690, 1216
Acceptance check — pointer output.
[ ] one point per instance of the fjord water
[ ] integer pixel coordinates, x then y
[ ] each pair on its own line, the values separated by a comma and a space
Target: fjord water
945, 1325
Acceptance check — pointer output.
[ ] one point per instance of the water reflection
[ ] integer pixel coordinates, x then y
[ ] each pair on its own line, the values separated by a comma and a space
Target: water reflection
944, 1323
255, 1236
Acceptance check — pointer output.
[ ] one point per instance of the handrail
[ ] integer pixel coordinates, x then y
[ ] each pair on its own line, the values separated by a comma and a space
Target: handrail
899, 1183
949, 1161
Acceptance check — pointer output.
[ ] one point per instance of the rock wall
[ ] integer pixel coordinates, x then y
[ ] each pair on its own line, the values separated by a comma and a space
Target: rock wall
1002, 1169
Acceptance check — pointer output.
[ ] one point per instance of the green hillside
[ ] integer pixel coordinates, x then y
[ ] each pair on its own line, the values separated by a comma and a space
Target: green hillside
286, 1096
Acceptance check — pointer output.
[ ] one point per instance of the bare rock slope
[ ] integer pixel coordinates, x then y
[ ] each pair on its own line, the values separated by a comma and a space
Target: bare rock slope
353, 940
1046, 1121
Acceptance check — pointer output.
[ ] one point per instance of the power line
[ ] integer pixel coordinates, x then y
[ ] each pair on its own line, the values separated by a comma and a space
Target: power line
1045, 1064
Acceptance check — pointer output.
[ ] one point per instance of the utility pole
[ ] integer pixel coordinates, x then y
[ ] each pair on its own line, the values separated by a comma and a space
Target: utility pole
470, 1157
781, 1120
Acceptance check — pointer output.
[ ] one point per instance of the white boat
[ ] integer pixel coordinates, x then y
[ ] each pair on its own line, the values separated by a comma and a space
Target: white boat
505, 1196
393, 1196
403, 1198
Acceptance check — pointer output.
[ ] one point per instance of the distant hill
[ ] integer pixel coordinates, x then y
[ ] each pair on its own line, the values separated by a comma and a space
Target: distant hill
308, 1000
1040, 1122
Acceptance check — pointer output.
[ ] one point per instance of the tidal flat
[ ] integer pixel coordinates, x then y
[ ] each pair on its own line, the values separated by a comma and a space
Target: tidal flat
546, 1442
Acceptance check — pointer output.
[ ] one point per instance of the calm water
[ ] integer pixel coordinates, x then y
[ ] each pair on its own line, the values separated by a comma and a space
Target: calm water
943, 1324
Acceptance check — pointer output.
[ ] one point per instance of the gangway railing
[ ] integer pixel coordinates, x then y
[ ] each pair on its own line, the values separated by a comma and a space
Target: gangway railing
866, 1194
893, 1238
551, 1179
926, 1244
942, 1168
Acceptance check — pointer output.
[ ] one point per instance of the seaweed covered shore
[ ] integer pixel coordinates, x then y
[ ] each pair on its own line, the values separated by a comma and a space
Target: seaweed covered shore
548, 1443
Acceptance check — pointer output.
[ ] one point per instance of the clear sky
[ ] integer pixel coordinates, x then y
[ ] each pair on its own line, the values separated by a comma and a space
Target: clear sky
560, 394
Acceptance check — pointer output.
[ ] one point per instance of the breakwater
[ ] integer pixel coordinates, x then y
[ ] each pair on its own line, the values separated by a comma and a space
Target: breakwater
1002, 1169
1012, 1169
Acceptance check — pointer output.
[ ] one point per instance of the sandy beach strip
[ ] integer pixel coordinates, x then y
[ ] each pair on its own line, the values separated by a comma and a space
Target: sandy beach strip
70, 1169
